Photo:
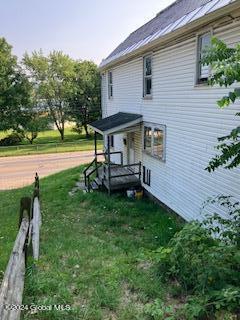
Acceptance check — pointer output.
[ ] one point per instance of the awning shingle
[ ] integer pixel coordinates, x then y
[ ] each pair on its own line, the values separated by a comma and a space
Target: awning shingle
116, 122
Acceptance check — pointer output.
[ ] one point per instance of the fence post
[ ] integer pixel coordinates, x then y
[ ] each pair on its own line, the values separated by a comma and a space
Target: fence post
25, 206
36, 219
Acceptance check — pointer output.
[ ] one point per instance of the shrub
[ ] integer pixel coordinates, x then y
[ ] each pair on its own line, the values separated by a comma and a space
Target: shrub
198, 261
227, 229
11, 140
206, 268
157, 310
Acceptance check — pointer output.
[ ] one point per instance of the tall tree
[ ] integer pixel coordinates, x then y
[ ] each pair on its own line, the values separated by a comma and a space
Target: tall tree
225, 65
85, 102
52, 77
14, 88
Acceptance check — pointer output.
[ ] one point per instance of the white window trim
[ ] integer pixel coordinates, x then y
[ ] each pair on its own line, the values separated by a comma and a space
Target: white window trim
154, 126
110, 85
197, 50
147, 96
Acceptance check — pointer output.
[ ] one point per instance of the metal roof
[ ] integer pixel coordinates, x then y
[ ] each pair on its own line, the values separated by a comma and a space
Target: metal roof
177, 15
118, 121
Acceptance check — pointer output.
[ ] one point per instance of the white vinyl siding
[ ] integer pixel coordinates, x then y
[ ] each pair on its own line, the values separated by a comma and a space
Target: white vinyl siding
193, 121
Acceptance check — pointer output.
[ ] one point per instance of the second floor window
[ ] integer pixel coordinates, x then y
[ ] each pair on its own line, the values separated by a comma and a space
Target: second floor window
110, 84
203, 71
147, 76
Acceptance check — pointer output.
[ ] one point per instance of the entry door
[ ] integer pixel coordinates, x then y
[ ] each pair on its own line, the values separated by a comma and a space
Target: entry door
131, 149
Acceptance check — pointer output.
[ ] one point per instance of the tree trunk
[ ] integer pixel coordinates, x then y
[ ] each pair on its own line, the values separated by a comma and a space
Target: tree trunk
86, 131
62, 134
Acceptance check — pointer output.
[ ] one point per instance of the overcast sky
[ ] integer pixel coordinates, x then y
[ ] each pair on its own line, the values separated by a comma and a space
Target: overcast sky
84, 29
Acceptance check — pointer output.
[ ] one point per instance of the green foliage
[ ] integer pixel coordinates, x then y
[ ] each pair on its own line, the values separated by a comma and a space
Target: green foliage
51, 77
230, 151
159, 311
67, 89
85, 102
227, 229
225, 65
207, 268
14, 88
35, 122
11, 140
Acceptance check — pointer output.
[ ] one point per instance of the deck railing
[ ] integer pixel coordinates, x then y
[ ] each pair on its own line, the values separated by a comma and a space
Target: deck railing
105, 154
92, 169
134, 170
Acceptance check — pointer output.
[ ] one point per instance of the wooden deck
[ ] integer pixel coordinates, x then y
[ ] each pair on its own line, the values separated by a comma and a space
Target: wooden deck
120, 178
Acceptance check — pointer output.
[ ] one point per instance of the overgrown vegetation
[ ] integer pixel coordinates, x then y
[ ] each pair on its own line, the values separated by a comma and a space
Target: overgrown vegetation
205, 272
202, 264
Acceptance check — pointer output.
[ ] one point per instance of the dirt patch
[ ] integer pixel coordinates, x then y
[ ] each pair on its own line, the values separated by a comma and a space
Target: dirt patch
130, 297
144, 265
109, 315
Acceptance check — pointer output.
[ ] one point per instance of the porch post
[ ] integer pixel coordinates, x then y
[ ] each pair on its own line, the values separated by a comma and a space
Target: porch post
95, 151
95, 142
109, 168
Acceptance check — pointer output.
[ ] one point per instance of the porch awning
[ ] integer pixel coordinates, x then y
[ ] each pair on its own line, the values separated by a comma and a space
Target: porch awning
118, 122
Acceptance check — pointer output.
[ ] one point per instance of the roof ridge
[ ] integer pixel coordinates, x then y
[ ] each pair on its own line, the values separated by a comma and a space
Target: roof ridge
168, 7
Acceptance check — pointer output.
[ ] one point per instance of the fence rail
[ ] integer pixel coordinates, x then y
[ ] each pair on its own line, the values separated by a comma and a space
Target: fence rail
11, 290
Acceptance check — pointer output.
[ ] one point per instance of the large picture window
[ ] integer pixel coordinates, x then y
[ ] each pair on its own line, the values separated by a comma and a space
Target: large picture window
147, 76
154, 141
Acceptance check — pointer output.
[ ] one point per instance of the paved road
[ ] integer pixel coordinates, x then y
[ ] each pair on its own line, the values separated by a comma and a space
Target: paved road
19, 171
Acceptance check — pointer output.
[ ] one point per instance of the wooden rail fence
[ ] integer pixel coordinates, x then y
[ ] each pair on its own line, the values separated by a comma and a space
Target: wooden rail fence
27, 242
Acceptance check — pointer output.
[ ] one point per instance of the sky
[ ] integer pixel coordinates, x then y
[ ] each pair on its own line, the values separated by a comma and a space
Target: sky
84, 29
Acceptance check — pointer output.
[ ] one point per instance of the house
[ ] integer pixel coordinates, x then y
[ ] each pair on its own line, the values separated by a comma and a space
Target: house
160, 117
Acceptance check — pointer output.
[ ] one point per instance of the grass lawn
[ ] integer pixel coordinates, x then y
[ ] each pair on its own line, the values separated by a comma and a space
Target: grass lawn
49, 142
49, 136
91, 251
